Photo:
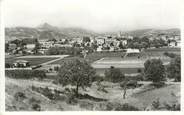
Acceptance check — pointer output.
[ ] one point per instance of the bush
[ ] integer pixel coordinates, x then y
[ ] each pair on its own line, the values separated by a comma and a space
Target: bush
114, 75
36, 107
25, 74
158, 84
130, 83
139, 70
71, 98
7, 65
171, 55
174, 69
126, 107
19, 96
121, 107
33, 100
172, 107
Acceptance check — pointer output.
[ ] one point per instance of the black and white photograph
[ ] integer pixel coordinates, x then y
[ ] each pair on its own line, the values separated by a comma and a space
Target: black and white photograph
92, 55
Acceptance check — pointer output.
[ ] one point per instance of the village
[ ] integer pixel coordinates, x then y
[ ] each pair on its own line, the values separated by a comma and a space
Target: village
116, 63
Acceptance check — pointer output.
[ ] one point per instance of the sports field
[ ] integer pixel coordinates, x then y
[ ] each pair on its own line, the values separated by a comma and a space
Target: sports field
119, 62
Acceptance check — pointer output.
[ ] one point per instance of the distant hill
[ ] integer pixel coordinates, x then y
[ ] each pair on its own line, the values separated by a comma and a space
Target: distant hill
47, 31
153, 32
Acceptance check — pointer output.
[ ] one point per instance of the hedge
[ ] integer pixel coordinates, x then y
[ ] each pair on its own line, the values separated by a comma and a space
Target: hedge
25, 74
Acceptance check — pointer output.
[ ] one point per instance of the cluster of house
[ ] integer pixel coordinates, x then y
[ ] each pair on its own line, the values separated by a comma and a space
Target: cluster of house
103, 43
172, 41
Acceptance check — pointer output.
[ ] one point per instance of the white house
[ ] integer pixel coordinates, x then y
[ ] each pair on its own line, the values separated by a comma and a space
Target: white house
99, 49
176, 43
100, 40
21, 64
124, 42
30, 46
129, 50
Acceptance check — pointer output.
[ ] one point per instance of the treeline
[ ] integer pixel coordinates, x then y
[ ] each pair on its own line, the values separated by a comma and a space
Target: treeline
64, 51
25, 74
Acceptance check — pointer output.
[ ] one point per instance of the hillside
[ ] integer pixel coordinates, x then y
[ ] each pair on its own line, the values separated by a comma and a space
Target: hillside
153, 32
46, 31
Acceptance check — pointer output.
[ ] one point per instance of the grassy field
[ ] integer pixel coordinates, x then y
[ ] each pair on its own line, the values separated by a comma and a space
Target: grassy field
169, 94
140, 97
33, 61
101, 71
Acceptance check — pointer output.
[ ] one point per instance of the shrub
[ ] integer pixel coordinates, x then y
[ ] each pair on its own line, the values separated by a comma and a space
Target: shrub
130, 83
139, 70
126, 107
71, 98
174, 69
172, 107
156, 104
7, 65
36, 107
19, 96
171, 55
33, 100
114, 75
121, 107
158, 84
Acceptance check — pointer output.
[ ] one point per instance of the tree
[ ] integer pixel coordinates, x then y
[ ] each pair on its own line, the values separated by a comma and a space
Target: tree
37, 47
114, 75
154, 70
77, 73
174, 69
53, 51
121, 45
6, 47
86, 39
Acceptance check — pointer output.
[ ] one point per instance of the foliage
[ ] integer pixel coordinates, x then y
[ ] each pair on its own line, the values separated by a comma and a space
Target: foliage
174, 69
25, 74
121, 107
7, 65
171, 55
121, 45
6, 47
19, 96
114, 75
154, 70
156, 104
63, 50
86, 39
158, 84
172, 107
36, 107
77, 73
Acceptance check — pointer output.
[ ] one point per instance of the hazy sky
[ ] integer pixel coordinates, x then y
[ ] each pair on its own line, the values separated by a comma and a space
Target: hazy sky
97, 15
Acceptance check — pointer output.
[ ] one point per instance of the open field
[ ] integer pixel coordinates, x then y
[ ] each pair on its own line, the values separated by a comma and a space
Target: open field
33, 61
36, 60
119, 62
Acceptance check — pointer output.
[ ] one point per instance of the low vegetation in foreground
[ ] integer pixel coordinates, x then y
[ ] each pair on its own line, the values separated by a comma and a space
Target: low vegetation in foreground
77, 87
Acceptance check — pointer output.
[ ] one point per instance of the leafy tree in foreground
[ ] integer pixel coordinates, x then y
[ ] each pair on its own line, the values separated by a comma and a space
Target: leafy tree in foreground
154, 70
114, 75
77, 73
174, 69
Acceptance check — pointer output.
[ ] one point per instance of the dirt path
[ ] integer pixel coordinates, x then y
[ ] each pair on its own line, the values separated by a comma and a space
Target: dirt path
49, 62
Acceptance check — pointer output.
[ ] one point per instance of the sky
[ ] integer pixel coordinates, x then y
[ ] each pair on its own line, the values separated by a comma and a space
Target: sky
96, 15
